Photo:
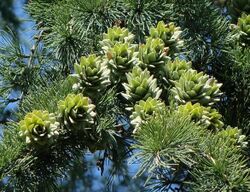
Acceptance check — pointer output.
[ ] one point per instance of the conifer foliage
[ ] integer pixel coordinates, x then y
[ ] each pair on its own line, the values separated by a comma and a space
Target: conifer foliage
134, 88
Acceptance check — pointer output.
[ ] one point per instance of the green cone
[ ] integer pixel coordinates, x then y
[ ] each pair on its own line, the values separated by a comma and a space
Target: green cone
92, 75
76, 111
170, 34
203, 115
153, 55
140, 86
144, 110
39, 128
116, 35
235, 135
196, 88
244, 26
174, 69
120, 60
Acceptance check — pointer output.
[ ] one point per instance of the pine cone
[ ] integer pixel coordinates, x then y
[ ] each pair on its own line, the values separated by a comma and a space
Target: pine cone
144, 110
116, 35
174, 69
92, 75
170, 34
140, 86
76, 111
202, 115
196, 88
244, 26
121, 59
235, 135
39, 128
153, 55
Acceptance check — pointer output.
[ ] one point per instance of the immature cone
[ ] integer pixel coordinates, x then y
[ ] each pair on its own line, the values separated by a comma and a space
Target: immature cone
39, 128
144, 110
116, 35
92, 75
76, 111
174, 69
121, 59
203, 115
196, 88
170, 34
140, 86
235, 135
244, 25
153, 55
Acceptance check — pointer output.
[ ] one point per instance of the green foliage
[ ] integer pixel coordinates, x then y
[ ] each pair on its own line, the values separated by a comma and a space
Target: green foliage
75, 32
7, 15
240, 95
45, 96
22, 70
10, 148
206, 35
222, 165
166, 141
144, 110
144, 14
41, 167
15, 72
237, 7
172, 142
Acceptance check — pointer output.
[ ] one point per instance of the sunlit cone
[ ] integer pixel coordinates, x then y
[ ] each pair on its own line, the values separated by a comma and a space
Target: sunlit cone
76, 111
205, 116
39, 128
116, 35
235, 135
196, 88
92, 75
244, 26
170, 34
153, 55
120, 60
174, 69
144, 110
140, 86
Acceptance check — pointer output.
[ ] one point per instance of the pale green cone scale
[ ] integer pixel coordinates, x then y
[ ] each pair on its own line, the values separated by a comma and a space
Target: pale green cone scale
196, 88
140, 86
39, 128
76, 111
